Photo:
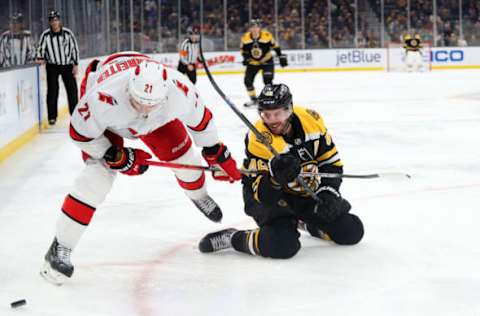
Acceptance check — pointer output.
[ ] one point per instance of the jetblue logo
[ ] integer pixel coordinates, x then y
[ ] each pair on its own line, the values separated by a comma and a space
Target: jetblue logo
358, 56
445, 56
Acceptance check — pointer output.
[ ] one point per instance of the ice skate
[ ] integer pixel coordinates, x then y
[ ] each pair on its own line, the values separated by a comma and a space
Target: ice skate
209, 208
252, 103
217, 241
57, 267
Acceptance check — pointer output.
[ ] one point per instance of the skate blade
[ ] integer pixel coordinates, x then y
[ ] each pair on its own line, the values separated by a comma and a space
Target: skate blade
52, 275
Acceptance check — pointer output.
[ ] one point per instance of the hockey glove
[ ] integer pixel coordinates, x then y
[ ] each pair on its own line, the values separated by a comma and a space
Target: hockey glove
283, 60
127, 160
331, 205
219, 155
245, 62
284, 168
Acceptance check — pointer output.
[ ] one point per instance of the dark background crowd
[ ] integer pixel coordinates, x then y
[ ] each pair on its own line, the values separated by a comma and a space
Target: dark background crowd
105, 26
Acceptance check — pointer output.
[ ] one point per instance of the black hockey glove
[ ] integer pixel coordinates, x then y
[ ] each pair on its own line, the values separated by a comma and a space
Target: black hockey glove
283, 60
129, 161
284, 168
331, 205
245, 62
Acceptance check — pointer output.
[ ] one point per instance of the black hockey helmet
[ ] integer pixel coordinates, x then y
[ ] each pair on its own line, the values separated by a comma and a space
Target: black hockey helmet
53, 14
274, 96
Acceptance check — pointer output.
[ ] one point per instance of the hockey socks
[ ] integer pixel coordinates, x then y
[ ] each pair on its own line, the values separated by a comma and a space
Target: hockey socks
247, 241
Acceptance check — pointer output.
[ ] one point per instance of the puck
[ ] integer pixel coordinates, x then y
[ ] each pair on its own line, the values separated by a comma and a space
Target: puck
18, 303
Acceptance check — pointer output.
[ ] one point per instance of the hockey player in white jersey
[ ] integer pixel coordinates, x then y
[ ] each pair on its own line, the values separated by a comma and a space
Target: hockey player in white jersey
129, 95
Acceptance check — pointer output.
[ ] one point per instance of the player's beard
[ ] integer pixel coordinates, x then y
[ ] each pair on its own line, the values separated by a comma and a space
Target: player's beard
280, 128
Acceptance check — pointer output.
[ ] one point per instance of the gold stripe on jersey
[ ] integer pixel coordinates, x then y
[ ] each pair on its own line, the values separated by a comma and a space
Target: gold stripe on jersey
328, 154
257, 237
255, 186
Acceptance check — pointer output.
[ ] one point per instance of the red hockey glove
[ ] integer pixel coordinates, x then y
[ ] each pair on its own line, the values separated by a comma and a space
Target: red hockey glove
219, 155
127, 160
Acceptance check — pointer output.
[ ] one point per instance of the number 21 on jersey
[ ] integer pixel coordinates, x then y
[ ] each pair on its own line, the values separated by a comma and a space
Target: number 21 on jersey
148, 88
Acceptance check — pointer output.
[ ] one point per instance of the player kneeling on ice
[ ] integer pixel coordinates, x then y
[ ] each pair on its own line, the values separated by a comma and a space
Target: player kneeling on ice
274, 198
129, 95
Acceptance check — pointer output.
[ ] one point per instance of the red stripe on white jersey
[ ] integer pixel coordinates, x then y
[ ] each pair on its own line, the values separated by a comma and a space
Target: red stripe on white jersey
83, 85
78, 211
77, 136
207, 116
118, 55
195, 185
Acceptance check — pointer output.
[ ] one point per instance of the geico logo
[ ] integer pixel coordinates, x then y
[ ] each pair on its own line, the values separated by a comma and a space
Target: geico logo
446, 56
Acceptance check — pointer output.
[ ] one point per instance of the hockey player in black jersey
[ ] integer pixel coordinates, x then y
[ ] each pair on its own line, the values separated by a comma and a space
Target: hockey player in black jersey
256, 48
413, 52
276, 201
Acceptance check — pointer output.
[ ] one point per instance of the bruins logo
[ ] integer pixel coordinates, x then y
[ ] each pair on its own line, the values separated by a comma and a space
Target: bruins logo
256, 51
313, 181
414, 42
267, 137
314, 114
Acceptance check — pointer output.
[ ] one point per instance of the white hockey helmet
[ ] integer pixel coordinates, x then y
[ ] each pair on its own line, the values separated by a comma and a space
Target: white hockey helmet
147, 86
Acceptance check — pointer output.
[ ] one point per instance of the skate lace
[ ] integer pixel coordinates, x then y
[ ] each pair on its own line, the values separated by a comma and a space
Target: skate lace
207, 205
63, 253
221, 242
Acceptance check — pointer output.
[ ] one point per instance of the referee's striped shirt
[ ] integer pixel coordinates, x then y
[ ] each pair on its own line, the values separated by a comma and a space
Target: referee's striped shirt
58, 48
16, 49
189, 51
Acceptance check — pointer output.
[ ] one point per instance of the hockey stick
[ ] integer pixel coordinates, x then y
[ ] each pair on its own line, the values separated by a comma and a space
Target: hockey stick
250, 126
386, 175
180, 165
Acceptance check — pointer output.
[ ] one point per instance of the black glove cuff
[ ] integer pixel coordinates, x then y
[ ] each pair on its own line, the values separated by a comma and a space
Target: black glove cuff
220, 151
120, 159
211, 151
113, 154
328, 189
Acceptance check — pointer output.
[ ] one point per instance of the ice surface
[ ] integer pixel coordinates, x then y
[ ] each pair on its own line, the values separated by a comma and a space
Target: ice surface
420, 254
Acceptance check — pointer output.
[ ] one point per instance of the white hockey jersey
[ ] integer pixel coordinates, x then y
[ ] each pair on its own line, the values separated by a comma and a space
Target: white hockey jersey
106, 106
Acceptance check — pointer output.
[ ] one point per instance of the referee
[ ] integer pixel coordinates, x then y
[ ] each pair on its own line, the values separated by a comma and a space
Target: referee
16, 46
189, 52
58, 48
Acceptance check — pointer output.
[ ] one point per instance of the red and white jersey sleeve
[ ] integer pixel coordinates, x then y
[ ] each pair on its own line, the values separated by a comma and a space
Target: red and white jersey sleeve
106, 106
195, 114
87, 128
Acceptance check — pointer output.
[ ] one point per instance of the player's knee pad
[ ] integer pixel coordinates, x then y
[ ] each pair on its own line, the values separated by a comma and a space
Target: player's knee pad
347, 230
279, 243
93, 183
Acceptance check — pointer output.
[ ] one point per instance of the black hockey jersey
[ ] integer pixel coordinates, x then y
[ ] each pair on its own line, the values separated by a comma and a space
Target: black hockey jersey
258, 51
311, 143
412, 44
